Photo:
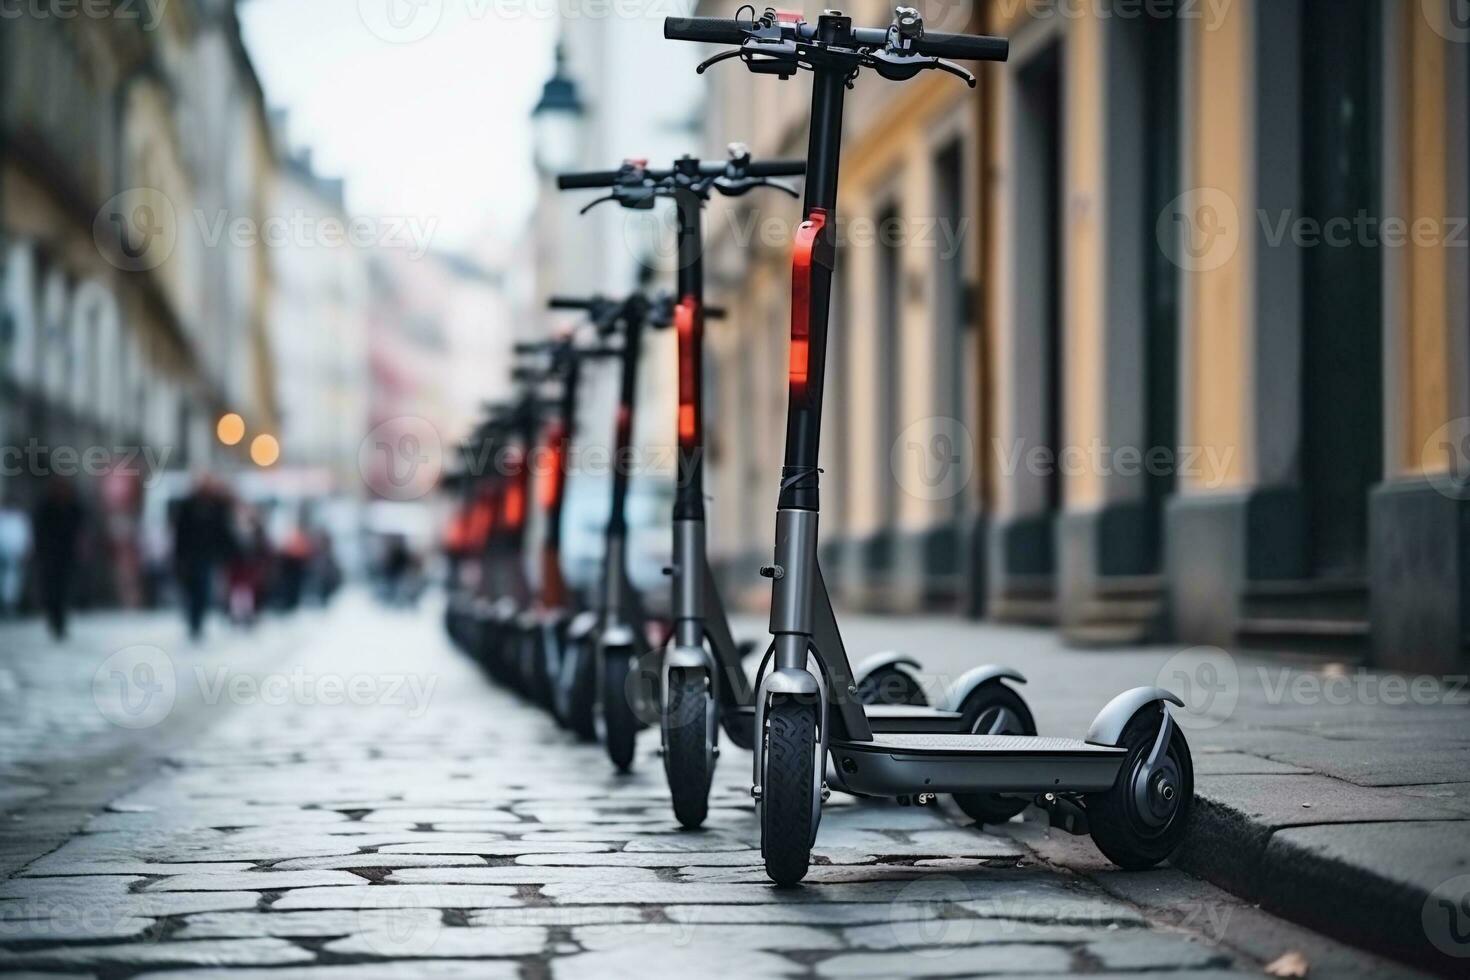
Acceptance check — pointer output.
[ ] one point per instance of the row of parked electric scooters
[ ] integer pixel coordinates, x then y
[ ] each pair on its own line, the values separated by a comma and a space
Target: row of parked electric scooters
812, 721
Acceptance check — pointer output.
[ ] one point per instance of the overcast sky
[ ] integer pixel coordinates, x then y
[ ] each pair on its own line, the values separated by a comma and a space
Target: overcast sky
423, 105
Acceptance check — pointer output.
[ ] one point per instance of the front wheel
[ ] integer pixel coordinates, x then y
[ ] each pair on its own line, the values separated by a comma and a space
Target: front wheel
549, 652
1141, 820
994, 709
788, 780
620, 722
577, 688
688, 747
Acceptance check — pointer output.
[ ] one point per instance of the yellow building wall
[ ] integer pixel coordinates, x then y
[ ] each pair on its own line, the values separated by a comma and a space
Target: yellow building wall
1422, 316
1218, 311
1083, 299
892, 161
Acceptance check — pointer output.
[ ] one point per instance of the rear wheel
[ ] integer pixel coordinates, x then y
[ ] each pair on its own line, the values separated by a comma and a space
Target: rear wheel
534, 659
994, 709
620, 722
579, 689
688, 752
891, 685
1141, 820
549, 655
788, 780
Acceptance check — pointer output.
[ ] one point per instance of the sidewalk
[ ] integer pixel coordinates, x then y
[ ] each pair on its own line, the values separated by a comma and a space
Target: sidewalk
434, 826
73, 735
1335, 797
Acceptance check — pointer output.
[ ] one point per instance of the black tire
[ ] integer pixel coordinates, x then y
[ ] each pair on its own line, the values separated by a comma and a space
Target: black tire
891, 685
786, 789
1118, 828
579, 675
979, 709
688, 759
533, 665
548, 655
620, 723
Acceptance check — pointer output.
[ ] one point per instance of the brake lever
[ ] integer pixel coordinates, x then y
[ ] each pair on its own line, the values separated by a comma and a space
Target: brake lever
734, 188
600, 200
711, 62
955, 70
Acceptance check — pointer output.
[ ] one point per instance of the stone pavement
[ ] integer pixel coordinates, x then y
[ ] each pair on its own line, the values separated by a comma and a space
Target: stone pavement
365, 805
73, 739
1336, 796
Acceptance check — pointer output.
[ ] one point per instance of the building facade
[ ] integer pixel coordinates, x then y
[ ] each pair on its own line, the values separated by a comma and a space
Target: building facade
1203, 344
126, 330
318, 326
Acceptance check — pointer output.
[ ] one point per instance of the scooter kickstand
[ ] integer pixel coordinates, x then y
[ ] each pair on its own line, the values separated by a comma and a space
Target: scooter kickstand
1064, 814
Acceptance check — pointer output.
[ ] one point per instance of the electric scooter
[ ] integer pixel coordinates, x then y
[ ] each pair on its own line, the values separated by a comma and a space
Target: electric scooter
1130, 783
542, 627
704, 685
604, 646
507, 586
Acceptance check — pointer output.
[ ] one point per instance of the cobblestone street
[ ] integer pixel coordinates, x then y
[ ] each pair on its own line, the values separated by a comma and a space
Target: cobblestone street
345, 796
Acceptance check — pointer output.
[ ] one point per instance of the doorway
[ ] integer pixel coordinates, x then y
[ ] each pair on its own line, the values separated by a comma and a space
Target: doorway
1342, 361
1036, 368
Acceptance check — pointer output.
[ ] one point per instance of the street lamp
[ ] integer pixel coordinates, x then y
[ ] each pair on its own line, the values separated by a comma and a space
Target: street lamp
230, 429
556, 121
265, 450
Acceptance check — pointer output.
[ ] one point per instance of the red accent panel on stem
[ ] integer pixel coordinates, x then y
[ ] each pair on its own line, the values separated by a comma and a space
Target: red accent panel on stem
802, 256
554, 484
686, 316
515, 505
624, 432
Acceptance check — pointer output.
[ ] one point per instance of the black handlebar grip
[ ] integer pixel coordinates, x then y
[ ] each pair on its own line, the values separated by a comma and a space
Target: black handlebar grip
964, 47
595, 178
777, 168
712, 30
569, 303
525, 347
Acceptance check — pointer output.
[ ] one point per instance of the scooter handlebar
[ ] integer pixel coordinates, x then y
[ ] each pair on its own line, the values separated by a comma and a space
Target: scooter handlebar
590, 179
570, 303
963, 47
776, 168
711, 30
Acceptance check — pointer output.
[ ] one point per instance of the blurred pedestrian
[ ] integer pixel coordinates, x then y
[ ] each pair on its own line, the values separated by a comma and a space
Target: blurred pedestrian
295, 559
326, 572
15, 548
249, 568
203, 539
56, 531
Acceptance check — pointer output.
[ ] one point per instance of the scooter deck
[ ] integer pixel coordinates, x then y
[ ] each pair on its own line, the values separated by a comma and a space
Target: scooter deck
885, 718
904, 763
